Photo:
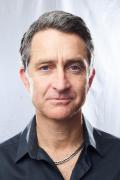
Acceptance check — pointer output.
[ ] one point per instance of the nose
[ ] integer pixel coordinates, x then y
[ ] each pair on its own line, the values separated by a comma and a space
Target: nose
61, 81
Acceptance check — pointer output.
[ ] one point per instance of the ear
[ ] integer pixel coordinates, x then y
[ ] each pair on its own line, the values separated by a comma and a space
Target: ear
24, 78
92, 74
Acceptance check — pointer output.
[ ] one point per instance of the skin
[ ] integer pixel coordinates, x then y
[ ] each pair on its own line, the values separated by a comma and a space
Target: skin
58, 78
58, 84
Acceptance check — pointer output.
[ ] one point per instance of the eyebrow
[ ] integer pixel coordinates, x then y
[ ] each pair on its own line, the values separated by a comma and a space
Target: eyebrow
75, 60
80, 62
43, 61
67, 62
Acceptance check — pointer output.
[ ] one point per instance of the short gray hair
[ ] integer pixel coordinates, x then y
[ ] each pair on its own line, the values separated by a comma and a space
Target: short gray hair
61, 21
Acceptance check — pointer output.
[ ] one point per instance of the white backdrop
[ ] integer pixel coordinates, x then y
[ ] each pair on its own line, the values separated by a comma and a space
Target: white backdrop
103, 19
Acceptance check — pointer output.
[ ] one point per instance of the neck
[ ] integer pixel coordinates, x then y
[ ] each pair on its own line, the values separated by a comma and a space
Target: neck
59, 134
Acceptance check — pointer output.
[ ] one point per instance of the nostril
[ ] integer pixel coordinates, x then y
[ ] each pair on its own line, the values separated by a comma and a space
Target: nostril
60, 81
61, 84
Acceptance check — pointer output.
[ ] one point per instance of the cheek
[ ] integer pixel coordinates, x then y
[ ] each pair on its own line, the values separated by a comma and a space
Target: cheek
34, 87
81, 89
80, 83
38, 88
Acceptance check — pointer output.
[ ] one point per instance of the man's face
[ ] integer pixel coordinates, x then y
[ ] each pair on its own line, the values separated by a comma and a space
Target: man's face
57, 75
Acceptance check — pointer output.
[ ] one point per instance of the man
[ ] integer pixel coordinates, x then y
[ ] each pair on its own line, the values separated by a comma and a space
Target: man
59, 143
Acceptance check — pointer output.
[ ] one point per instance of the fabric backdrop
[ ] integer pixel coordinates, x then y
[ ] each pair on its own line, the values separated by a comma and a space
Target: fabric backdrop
103, 101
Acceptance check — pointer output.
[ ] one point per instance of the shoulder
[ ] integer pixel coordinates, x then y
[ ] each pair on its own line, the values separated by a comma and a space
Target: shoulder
8, 151
106, 142
101, 140
11, 141
8, 148
105, 136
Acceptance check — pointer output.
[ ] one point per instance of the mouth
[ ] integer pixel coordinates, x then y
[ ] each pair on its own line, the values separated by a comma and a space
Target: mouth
60, 101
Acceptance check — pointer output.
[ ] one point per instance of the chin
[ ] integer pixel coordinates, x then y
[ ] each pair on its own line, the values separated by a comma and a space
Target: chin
60, 115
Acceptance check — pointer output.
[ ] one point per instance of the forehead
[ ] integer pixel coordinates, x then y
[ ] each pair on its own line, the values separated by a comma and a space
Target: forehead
55, 45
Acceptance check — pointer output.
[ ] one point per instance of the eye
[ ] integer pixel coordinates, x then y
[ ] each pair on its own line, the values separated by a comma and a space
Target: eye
44, 68
75, 68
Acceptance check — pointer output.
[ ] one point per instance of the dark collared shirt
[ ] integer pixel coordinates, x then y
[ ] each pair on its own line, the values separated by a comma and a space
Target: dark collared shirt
22, 159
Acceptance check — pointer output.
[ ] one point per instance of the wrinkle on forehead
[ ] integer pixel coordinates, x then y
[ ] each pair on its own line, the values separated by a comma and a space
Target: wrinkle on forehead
55, 45
57, 57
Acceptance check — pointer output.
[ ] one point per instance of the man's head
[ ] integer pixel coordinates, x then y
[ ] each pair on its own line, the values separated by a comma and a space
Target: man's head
56, 51
61, 21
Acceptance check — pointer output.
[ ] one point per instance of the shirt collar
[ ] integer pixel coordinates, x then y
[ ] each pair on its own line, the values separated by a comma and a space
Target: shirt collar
28, 141
28, 144
88, 134
93, 138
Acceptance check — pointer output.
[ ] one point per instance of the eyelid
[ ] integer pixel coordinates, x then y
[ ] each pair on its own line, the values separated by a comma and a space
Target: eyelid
48, 66
74, 64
